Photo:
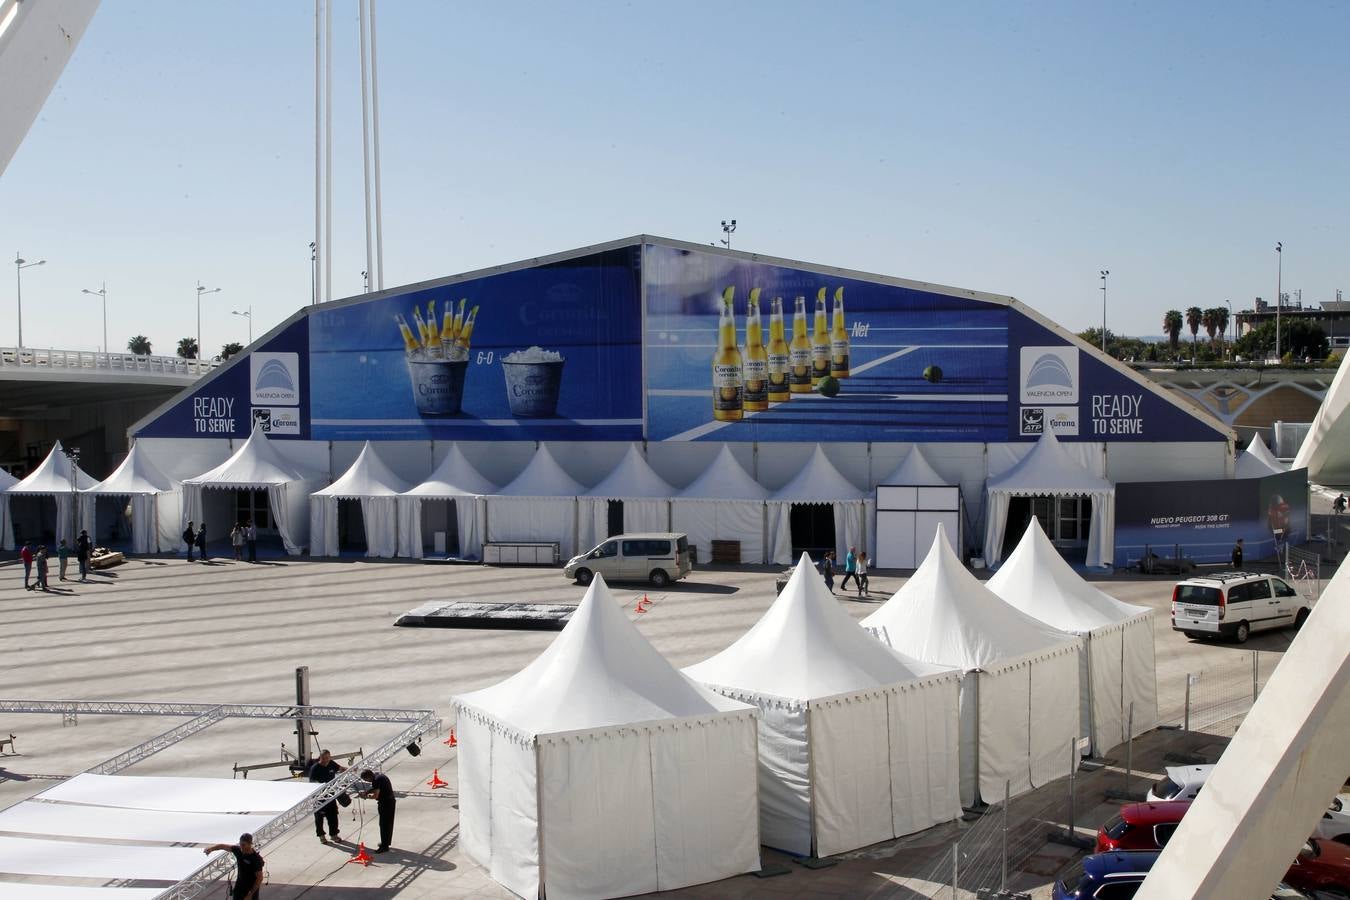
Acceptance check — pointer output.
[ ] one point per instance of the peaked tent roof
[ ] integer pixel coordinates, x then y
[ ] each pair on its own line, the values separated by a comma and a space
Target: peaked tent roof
136, 475
599, 672
725, 479
944, 615
818, 481
1049, 469
256, 462
543, 477
454, 477
7, 480
1036, 580
632, 477
1257, 461
367, 476
806, 647
53, 476
914, 470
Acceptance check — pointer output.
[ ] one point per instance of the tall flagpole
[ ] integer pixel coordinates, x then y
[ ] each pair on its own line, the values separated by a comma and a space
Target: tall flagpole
365, 142
320, 248
328, 150
375, 141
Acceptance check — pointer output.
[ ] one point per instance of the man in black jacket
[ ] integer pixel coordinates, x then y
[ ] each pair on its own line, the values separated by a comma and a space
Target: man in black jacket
382, 792
84, 551
189, 538
248, 881
324, 770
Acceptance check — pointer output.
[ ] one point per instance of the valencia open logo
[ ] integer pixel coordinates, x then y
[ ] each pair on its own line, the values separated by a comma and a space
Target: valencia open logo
275, 378
1049, 374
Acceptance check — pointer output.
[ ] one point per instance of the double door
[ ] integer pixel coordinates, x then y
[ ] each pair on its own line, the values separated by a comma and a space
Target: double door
1066, 520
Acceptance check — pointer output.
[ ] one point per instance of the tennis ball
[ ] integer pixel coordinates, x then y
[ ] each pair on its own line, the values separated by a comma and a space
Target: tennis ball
932, 374
829, 386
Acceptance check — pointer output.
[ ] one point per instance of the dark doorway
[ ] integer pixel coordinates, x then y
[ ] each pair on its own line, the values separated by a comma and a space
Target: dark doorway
1065, 520
812, 528
615, 518
440, 516
112, 522
351, 527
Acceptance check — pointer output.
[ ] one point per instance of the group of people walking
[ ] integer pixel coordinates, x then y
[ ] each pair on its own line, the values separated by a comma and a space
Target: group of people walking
855, 567
41, 561
242, 535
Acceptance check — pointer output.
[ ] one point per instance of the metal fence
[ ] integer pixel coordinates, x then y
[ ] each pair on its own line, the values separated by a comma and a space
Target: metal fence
1217, 698
84, 360
1303, 569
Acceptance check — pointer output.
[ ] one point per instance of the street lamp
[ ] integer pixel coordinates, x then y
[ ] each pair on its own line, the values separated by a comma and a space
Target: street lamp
728, 230
19, 265
1279, 299
247, 314
1104, 272
201, 290
102, 292
1232, 320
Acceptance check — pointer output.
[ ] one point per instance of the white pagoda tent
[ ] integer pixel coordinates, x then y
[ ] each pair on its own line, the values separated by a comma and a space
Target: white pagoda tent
1117, 674
599, 770
644, 494
58, 478
540, 504
723, 504
1019, 691
857, 743
1257, 461
818, 482
7, 481
155, 500
457, 483
257, 466
1050, 471
376, 487
915, 469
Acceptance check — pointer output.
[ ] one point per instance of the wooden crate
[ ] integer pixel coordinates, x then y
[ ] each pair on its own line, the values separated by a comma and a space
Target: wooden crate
726, 552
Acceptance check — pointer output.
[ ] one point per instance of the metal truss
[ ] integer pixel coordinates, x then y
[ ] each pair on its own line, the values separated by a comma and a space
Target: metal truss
158, 743
228, 710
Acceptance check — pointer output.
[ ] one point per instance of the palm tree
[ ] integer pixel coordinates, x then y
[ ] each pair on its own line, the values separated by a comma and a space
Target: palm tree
1221, 324
139, 345
1172, 327
1207, 320
230, 349
1194, 316
187, 348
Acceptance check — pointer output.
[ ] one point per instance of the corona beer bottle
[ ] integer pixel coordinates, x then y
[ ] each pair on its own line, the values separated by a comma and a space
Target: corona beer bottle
433, 323
421, 326
778, 354
449, 331
820, 342
839, 338
799, 351
756, 358
410, 344
466, 332
727, 372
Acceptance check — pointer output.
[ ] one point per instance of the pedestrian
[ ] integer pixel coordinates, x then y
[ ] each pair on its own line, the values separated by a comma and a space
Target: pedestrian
84, 552
860, 573
26, 554
1338, 505
63, 555
237, 541
382, 792
827, 569
201, 541
248, 879
189, 538
324, 770
1237, 556
42, 568
850, 568
251, 538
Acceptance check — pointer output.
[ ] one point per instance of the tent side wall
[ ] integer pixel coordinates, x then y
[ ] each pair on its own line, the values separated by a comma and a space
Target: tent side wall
640, 514
498, 802
534, 519
705, 521
925, 735
1120, 660
1028, 713
851, 772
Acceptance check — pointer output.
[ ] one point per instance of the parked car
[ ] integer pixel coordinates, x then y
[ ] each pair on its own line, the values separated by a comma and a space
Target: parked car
1141, 826
1106, 876
657, 558
1180, 783
1321, 866
1234, 604
1335, 822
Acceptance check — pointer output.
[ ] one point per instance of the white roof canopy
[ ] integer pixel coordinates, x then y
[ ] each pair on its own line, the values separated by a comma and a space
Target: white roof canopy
454, 477
53, 476
632, 477
818, 482
914, 470
598, 673
1257, 461
805, 647
543, 477
368, 476
255, 463
1038, 581
944, 615
7, 480
725, 479
1049, 470
136, 475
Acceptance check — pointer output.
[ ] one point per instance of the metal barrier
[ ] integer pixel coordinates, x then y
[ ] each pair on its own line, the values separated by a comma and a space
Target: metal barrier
1303, 569
85, 361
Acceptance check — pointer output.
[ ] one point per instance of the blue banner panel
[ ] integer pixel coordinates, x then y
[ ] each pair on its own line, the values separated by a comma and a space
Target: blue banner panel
268, 386
902, 364
1202, 520
551, 352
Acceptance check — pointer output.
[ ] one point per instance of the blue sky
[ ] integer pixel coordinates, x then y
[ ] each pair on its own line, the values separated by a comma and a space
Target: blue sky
1013, 148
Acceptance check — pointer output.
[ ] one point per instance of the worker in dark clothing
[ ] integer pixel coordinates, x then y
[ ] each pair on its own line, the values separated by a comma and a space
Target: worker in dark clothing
382, 792
84, 552
189, 538
324, 770
1237, 556
201, 540
249, 878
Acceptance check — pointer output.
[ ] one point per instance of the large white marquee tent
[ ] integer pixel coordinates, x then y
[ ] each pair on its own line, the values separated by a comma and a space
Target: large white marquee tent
723, 504
7, 481
1050, 470
1118, 673
599, 770
540, 504
374, 484
455, 481
644, 494
53, 478
857, 743
818, 482
257, 466
1019, 693
156, 502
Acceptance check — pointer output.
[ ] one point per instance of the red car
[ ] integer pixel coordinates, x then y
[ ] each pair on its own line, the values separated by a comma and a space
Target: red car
1141, 826
1322, 865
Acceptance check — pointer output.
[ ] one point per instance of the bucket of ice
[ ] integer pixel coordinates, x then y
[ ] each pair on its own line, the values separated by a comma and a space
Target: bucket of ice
533, 378
438, 384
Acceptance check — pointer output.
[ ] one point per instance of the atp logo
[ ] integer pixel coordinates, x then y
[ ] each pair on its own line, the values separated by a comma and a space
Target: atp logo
1033, 420
1049, 374
275, 378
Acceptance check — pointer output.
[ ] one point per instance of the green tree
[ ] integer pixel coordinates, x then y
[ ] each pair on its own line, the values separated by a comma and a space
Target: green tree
1221, 323
1194, 317
1172, 322
1207, 320
1301, 338
187, 348
139, 345
230, 349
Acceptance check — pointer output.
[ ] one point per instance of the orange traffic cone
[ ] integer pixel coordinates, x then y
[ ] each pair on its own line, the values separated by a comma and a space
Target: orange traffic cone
451, 741
436, 781
362, 857
639, 608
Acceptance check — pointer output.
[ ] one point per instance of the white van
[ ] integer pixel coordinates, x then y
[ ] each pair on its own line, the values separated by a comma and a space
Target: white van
1234, 604
657, 558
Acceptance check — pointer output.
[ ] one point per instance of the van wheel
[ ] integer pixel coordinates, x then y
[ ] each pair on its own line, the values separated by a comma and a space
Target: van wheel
659, 578
1301, 617
1243, 632
584, 576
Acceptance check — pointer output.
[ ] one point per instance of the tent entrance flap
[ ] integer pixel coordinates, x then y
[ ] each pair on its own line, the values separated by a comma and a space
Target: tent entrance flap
252, 506
351, 526
812, 526
1066, 520
440, 516
614, 514
112, 520
34, 517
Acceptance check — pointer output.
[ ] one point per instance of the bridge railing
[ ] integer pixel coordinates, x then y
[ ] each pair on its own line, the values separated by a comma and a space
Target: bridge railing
86, 360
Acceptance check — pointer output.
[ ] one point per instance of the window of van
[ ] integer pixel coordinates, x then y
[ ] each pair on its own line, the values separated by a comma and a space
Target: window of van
646, 548
1260, 590
1239, 592
1199, 595
1282, 589
606, 550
